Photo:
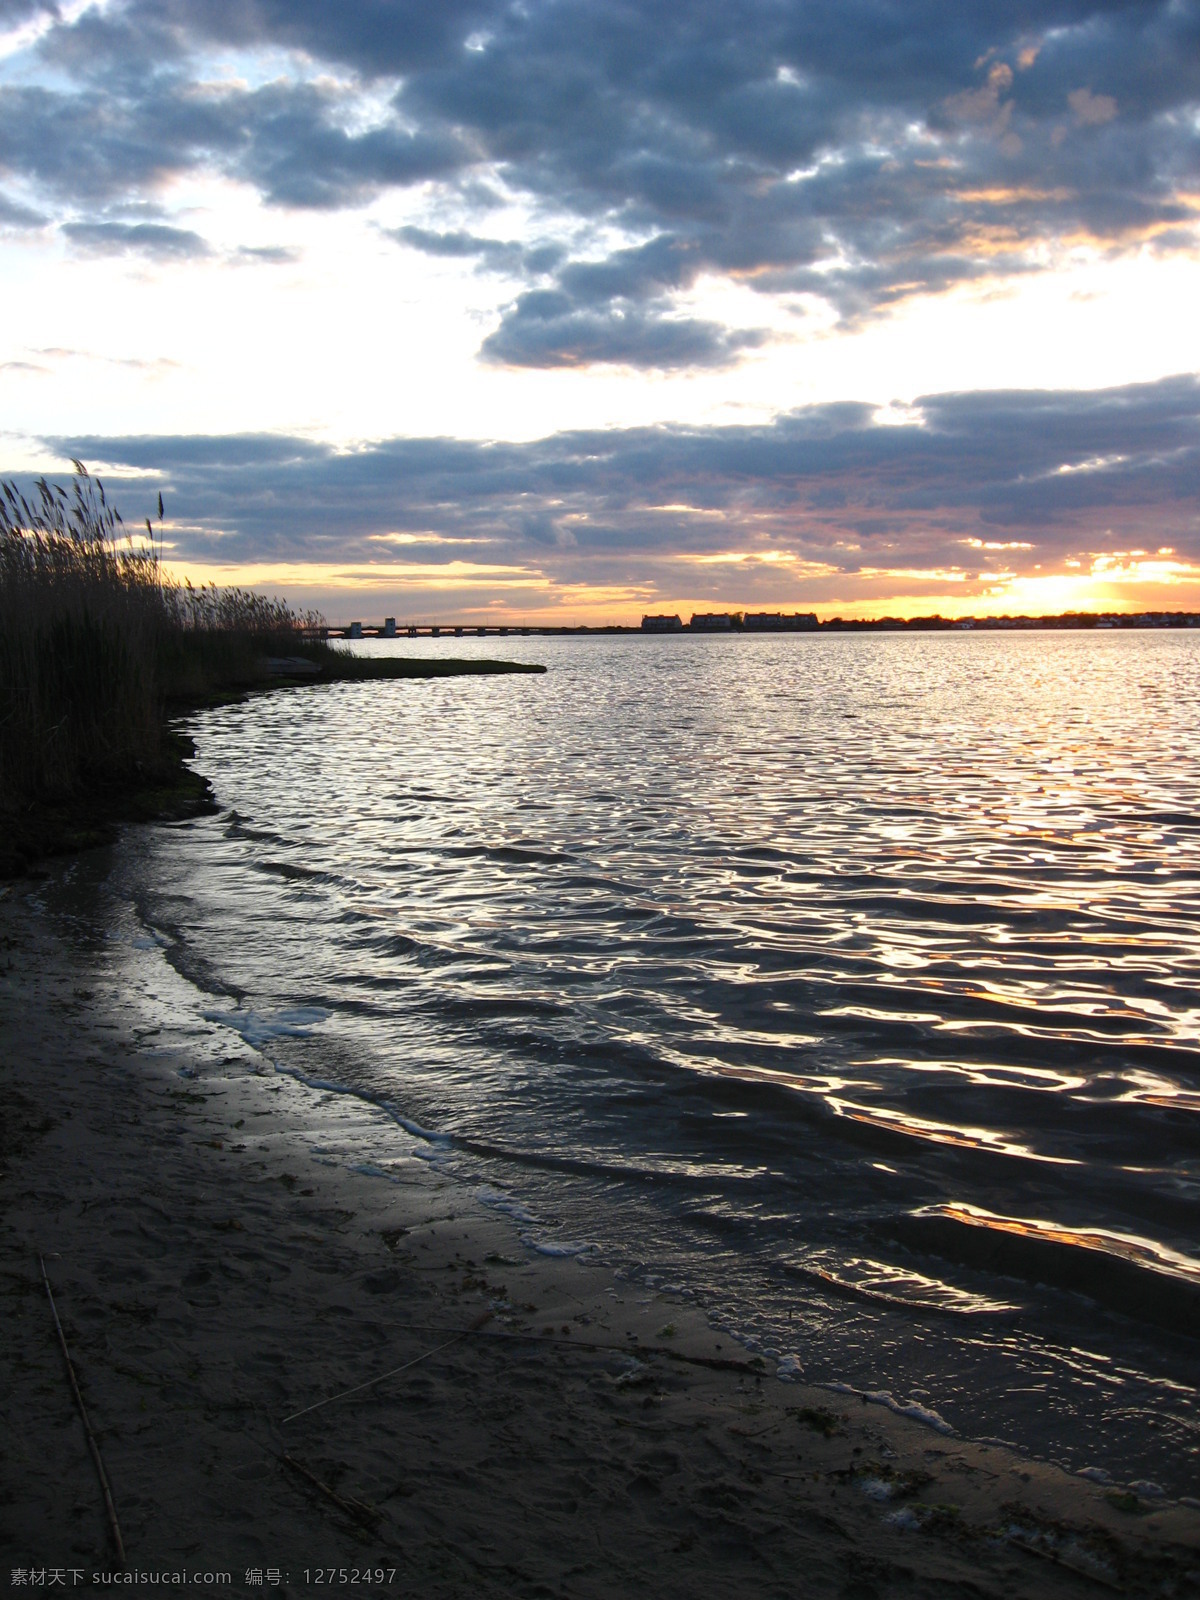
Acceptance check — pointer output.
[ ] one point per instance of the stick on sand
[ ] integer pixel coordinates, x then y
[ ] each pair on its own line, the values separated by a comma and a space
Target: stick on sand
395, 1371
113, 1524
357, 1510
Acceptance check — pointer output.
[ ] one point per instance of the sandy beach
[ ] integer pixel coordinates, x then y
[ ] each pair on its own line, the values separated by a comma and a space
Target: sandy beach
546, 1429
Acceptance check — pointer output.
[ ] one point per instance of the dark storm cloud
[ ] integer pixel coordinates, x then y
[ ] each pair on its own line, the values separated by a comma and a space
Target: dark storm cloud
858, 150
1061, 472
152, 239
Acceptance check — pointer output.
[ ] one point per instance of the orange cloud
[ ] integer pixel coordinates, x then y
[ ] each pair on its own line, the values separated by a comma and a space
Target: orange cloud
1091, 110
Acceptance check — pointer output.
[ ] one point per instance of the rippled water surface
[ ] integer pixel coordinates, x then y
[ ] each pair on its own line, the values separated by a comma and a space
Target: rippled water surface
849, 983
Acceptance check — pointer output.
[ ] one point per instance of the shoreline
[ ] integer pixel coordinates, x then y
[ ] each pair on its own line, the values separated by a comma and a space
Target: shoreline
219, 1269
170, 790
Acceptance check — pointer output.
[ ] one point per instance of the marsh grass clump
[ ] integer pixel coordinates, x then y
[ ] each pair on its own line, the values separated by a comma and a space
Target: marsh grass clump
95, 642
220, 639
80, 623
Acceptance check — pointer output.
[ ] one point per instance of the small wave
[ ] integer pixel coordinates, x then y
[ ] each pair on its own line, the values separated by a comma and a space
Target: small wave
518, 855
1169, 819
497, 1200
426, 952
1135, 1277
236, 827
294, 1022
294, 873
902, 1408
328, 1086
487, 1008
879, 1284
661, 1174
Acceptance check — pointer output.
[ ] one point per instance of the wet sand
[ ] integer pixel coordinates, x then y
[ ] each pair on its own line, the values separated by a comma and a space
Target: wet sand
215, 1276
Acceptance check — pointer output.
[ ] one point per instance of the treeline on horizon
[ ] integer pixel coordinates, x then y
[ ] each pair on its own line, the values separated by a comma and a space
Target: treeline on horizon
807, 622
95, 645
1060, 619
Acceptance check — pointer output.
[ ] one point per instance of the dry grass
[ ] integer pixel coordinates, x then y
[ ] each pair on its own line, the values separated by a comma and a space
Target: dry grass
94, 643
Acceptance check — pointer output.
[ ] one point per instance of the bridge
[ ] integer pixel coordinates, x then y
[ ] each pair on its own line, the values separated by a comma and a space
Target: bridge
391, 629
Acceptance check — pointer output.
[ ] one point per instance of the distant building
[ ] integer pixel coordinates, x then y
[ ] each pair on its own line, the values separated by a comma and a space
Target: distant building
389, 627
354, 631
662, 624
780, 622
711, 622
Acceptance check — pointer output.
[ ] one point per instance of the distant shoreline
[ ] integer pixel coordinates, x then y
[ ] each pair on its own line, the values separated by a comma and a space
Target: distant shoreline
756, 623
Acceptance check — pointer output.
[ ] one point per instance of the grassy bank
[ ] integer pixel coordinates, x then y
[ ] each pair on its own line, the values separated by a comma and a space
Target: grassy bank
98, 650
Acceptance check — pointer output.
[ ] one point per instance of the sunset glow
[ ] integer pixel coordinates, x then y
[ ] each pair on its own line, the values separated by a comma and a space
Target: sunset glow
855, 328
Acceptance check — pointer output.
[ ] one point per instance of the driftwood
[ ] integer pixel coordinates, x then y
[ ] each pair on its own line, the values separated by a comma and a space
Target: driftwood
111, 1509
357, 1510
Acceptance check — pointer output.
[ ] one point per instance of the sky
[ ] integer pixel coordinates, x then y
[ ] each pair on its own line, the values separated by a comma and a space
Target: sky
572, 310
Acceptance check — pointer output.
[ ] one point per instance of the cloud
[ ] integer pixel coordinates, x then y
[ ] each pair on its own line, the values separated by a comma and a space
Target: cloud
986, 104
13, 215
14, 12
976, 485
114, 141
154, 239
1091, 110
272, 255
547, 328
401, 37
841, 149
492, 255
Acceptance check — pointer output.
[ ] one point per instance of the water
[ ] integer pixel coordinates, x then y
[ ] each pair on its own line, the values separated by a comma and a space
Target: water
848, 984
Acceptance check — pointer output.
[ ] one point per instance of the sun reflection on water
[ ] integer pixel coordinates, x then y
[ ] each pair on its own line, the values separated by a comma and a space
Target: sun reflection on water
842, 955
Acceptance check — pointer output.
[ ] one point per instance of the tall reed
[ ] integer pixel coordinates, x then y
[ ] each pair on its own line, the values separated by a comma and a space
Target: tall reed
95, 640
